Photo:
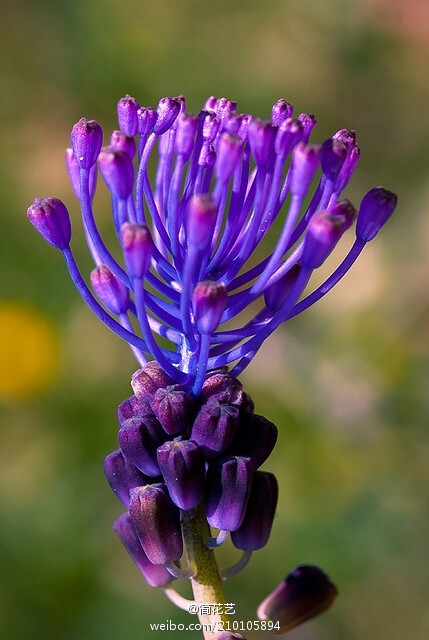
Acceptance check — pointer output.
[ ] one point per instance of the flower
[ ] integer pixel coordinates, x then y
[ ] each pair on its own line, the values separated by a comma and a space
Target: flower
222, 180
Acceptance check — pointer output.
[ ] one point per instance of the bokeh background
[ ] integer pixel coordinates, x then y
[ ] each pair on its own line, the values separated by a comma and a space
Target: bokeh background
347, 383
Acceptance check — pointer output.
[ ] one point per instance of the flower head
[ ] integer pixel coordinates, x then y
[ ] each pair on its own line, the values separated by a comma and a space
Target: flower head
222, 180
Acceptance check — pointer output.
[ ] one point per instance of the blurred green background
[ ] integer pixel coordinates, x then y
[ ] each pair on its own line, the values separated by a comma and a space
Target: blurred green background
347, 383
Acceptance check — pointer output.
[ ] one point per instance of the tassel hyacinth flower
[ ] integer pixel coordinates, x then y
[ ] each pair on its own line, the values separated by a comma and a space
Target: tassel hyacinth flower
179, 289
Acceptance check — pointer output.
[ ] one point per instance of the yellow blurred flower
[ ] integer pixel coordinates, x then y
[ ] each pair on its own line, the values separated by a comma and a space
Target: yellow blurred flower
29, 351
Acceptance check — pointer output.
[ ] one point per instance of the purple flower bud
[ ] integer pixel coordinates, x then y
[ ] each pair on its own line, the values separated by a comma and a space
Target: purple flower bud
246, 121
254, 531
215, 427
117, 170
73, 169
127, 115
167, 111
304, 594
232, 123
111, 291
324, 231
146, 118
200, 220
86, 138
211, 104
305, 162
281, 111
174, 409
156, 575
130, 408
122, 476
375, 209
225, 107
182, 466
247, 405
147, 380
222, 387
226, 492
49, 216
229, 152
288, 135
261, 136
207, 156
308, 122
255, 439
211, 124
156, 520
277, 293
139, 438
346, 209
332, 158
119, 140
209, 302
348, 137
137, 245
186, 129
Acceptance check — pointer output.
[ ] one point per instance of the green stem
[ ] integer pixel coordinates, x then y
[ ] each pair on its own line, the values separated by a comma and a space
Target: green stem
207, 583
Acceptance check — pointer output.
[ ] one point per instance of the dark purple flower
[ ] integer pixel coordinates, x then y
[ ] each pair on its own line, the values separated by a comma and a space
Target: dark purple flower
227, 490
156, 521
139, 438
174, 409
304, 594
156, 575
51, 219
182, 466
122, 475
215, 427
254, 531
255, 439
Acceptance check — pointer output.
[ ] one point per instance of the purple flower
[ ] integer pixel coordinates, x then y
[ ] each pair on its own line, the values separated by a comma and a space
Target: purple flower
222, 180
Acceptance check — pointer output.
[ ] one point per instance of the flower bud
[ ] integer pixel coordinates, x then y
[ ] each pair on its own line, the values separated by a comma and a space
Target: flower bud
122, 476
288, 135
119, 140
232, 123
345, 209
186, 129
207, 156
281, 111
225, 107
261, 136
375, 209
209, 302
229, 152
49, 216
137, 245
215, 427
246, 121
324, 231
130, 408
139, 438
86, 138
156, 575
111, 291
127, 115
148, 379
255, 439
304, 594
73, 169
277, 293
210, 104
222, 387
117, 170
333, 155
200, 220
254, 531
227, 489
182, 466
210, 127
174, 409
308, 123
167, 111
146, 118
305, 162
156, 521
